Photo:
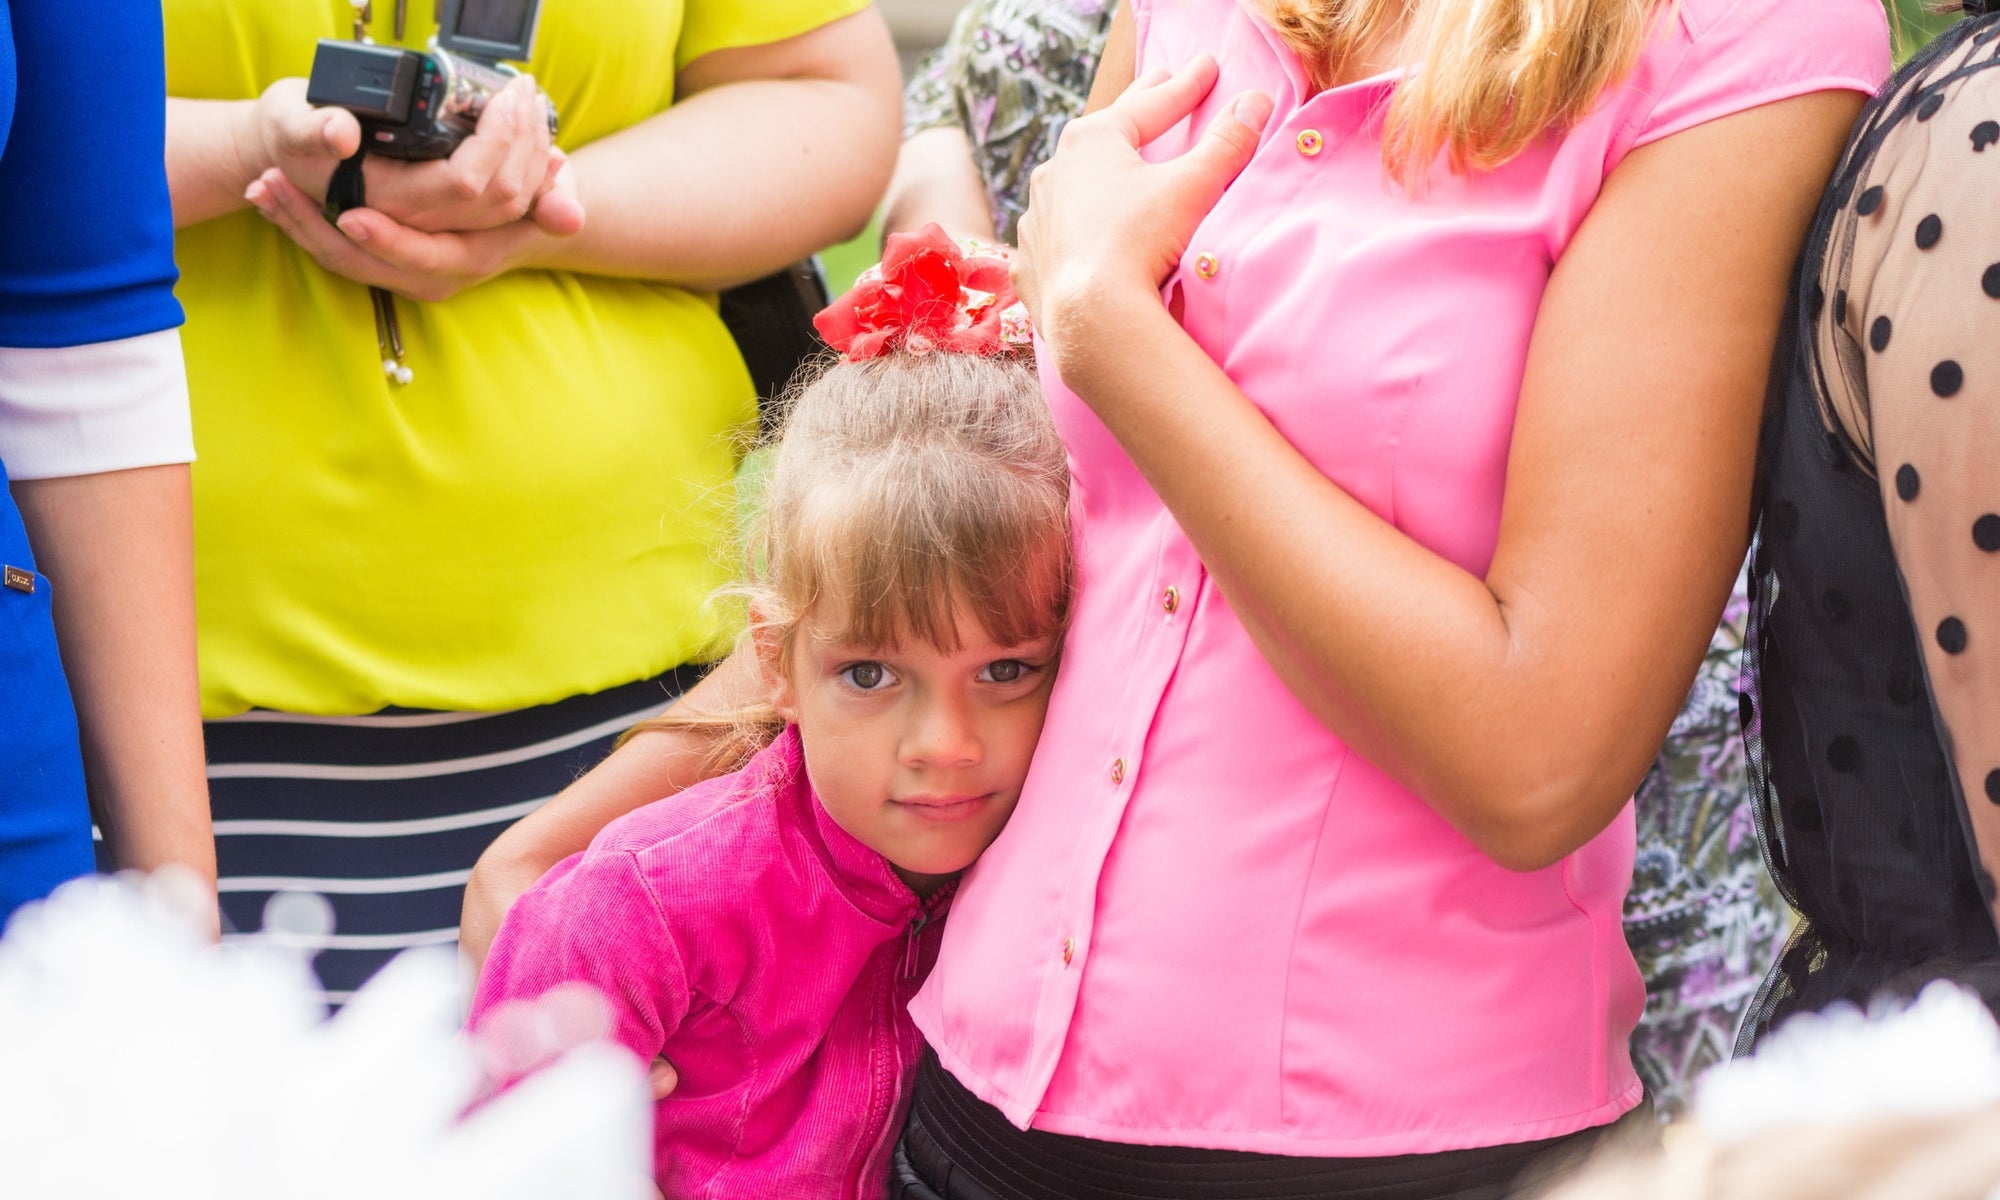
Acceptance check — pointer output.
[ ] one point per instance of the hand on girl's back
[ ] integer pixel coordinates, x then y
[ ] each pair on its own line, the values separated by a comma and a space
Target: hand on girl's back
662, 1078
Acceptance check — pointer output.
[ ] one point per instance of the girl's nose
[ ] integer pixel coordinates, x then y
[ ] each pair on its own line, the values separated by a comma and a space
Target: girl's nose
942, 733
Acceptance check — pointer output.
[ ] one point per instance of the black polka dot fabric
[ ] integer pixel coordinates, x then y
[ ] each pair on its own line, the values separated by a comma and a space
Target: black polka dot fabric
1872, 670
1946, 378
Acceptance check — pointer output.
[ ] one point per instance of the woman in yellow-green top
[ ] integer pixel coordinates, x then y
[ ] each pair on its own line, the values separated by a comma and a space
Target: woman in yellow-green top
425, 606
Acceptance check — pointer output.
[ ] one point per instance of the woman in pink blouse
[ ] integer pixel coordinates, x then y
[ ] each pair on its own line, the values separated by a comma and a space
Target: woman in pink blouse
1410, 369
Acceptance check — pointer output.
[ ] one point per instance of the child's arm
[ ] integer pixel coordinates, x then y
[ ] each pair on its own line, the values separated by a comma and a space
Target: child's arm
644, 769
593, 920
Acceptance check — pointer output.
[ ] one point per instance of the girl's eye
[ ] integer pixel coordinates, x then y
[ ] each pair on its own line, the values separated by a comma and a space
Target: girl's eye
866, 676
1007, 670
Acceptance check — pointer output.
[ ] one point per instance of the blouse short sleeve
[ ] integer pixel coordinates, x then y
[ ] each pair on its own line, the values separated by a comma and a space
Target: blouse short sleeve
89, 251
91, 377
711, 25
1730, 55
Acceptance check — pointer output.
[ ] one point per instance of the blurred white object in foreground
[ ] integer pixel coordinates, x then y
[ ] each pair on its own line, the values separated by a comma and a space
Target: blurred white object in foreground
1939, 1055
136, 1060
1902, 1103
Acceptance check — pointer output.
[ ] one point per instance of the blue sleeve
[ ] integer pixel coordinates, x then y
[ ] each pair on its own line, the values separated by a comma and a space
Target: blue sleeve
86, 227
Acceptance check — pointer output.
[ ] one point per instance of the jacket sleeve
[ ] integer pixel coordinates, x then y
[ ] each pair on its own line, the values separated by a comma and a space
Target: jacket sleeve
591, 921
90, 374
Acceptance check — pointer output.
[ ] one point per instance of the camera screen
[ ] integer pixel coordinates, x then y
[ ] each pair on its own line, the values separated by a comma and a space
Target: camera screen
501, 21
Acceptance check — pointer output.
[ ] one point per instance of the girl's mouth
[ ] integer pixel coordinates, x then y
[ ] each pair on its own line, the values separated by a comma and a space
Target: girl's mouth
944, 809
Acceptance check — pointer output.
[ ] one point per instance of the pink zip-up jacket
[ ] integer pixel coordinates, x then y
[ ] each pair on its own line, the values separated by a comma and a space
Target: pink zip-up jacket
768, 954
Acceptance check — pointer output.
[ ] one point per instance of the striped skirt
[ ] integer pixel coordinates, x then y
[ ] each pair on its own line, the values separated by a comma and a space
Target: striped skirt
384, 815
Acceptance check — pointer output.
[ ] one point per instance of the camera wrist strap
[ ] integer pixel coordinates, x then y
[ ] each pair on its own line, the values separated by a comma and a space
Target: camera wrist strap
348, 188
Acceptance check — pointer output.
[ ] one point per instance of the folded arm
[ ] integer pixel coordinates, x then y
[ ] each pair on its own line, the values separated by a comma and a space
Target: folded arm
1525, 705
769, 153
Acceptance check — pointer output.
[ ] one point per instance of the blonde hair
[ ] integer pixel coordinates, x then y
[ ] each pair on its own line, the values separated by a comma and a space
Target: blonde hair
904, 490
1494, 75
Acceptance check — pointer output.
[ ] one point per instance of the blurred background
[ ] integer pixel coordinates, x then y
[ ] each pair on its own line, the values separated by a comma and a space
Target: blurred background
919, 25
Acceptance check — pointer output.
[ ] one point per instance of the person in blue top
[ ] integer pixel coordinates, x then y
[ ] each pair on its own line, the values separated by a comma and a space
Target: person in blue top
94, 447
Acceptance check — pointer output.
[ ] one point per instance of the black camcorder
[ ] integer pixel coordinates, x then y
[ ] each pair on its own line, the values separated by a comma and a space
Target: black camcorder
420, 104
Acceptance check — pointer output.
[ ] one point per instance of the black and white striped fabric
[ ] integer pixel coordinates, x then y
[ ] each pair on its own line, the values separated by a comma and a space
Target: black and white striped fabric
385, 814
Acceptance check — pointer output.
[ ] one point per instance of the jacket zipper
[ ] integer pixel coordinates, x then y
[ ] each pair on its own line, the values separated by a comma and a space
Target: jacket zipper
879, 1085
916, 931
882, 1086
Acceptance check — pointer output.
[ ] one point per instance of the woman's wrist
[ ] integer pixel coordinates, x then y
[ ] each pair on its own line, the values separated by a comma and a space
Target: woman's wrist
252, 153
1097, 332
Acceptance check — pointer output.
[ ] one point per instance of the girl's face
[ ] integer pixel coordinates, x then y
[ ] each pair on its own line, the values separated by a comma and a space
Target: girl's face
917, 752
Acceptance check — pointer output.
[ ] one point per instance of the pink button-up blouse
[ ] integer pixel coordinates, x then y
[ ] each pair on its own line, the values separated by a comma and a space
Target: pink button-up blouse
1209, 923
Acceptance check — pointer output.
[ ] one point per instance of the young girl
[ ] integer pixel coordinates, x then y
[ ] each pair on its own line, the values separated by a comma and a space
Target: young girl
909, 581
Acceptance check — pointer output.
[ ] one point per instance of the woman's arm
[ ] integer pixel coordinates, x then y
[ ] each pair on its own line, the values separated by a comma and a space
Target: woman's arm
1525, 705
216, 149
769, 153
652, 765
119, 548
1117, 63
936, 180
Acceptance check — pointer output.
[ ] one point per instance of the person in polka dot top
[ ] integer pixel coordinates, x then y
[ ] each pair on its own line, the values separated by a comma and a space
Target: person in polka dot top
1872, 700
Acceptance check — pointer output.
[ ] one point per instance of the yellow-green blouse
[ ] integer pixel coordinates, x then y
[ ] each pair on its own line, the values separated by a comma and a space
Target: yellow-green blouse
546, 508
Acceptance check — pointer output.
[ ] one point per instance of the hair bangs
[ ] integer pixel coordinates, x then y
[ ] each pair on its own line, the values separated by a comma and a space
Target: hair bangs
899, 552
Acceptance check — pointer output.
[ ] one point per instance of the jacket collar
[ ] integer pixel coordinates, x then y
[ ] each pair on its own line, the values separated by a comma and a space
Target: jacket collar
864, 877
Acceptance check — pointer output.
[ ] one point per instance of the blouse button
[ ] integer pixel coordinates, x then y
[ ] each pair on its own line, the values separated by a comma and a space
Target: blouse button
1206, 265
1171, 600
1118, 771
1310, 142
1068, 950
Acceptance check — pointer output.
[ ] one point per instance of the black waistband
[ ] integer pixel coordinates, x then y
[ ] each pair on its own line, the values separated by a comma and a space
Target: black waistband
964, 1149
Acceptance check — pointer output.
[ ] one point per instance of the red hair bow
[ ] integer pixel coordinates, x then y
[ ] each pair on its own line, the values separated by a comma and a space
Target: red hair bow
929, 293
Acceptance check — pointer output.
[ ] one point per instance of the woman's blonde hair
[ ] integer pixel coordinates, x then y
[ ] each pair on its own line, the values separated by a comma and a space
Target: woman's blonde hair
1492, 76
903, 491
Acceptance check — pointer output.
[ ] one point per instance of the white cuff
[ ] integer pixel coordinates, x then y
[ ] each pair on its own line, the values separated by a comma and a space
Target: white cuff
82, 410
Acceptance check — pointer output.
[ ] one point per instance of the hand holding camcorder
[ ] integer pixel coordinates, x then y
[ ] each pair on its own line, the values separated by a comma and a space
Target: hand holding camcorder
420, 105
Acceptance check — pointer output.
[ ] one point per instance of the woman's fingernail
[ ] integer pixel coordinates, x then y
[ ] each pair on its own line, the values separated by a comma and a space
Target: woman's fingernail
257, 194
326, 135
355, 229
1252, 109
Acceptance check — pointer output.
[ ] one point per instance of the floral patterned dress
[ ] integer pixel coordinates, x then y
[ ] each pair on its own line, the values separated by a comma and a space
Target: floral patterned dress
1011, 74
1703, 918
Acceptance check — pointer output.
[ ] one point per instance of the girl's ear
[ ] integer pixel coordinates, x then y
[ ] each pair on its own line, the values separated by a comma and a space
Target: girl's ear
768, 642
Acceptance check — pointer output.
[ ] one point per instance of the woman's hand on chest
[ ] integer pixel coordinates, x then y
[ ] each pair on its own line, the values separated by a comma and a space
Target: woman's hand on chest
1104, 227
